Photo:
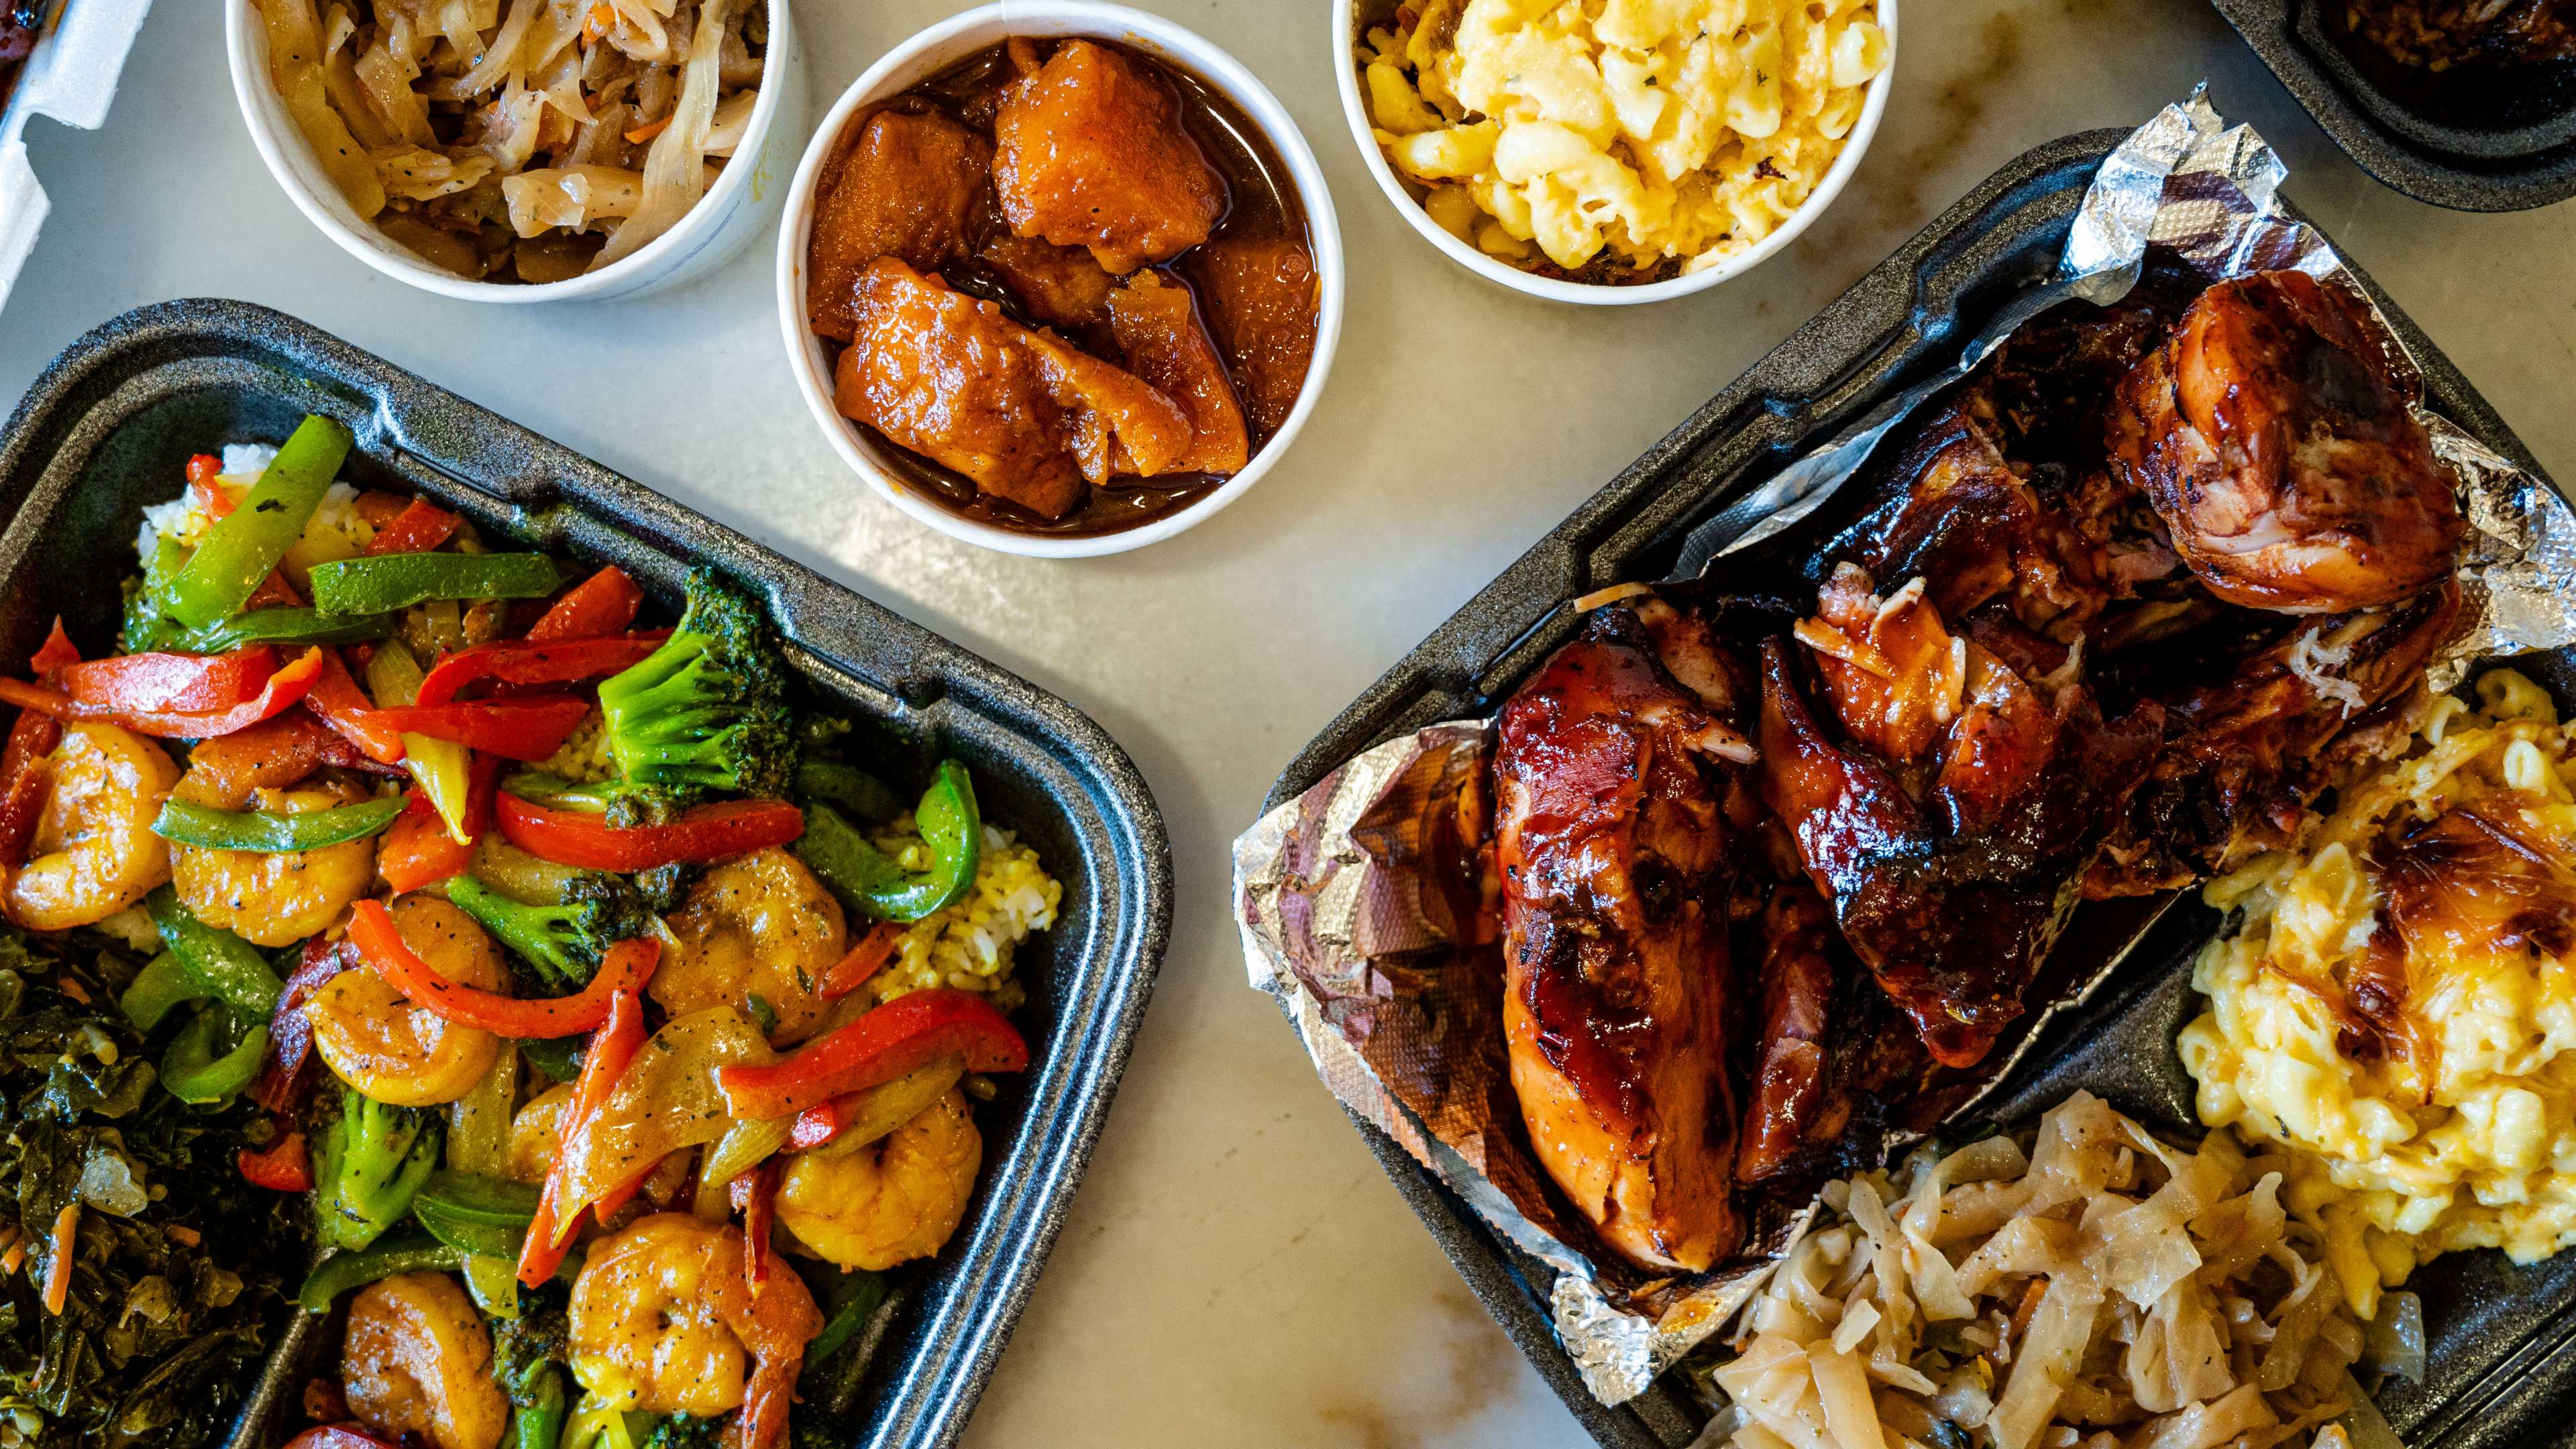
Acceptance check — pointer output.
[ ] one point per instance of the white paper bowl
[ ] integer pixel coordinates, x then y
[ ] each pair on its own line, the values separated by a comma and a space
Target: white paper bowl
746, 195
936, 49
1346, 23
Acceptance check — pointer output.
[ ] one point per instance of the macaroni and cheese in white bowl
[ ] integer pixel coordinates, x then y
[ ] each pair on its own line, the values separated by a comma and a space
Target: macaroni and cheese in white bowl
1650, 150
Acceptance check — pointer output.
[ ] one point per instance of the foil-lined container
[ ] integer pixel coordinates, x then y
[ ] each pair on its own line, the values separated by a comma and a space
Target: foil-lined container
1362, 904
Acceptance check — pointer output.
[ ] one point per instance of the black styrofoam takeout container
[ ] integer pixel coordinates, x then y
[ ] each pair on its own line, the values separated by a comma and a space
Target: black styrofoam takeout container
2521, 155
2496, 1331
109, 427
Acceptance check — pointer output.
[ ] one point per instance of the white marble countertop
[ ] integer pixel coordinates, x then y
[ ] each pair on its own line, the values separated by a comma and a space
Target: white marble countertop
1237, 1270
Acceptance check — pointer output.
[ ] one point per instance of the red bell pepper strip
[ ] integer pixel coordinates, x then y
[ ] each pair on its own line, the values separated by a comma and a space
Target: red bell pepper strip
417, 529
754, 1194
862, 961
604, 603
203, 470
285, 1069
283, 1167
611, 1051
283, 688
626, 966
417, 850
543, 661
24, 779
518, 729
157, 683
901, 1036
274, 592
707, 832
343, 706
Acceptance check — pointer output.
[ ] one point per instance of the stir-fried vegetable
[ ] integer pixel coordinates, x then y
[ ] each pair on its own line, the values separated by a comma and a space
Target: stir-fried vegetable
228, 967
346, 1272
702, 833
162, 986
443, 768
212, 1058
899, 1037
243, 547
604, 603
626, 967
869, 881
275, 833
707, 712
515, 729
374, 1161
282, 689
537, 661
399, 580
566, 938
849, 787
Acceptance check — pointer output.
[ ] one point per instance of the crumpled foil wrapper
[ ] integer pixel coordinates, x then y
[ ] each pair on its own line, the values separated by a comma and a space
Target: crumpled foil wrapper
1359, 901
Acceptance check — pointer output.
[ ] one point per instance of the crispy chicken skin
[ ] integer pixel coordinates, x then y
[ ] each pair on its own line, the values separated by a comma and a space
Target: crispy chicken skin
2275, 440
1090, 151
1618, 1014
1021, 414
913, 188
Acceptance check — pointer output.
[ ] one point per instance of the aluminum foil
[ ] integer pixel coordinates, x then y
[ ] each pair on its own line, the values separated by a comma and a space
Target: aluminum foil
1360, 906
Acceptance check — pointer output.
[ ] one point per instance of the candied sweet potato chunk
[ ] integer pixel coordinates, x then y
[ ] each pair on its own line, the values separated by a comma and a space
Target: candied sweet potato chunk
910, 188
1060, 286
1022, 415
1158, 328
1089, 151
1260, 296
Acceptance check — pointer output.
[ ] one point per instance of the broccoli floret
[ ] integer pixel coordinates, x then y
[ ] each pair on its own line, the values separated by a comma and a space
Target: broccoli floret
707, 712
679, 1431
563, 940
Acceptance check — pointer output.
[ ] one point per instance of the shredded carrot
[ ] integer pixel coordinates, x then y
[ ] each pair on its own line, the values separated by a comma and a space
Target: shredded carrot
600, 20
58, 1274
647, 131
74, 990
183, 1235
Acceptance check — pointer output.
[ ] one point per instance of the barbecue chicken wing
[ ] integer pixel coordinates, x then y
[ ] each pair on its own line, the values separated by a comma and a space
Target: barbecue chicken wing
1614, 838
2274, 438
1947, 791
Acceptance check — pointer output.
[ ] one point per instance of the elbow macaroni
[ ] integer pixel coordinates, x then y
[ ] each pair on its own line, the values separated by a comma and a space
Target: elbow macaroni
2466, 1137
1645, 135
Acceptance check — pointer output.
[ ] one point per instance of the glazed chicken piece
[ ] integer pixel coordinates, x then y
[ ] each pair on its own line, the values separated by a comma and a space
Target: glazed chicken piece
1832, 1055
1060, 286
2274, 438
2003, 492
1162, 341
911, 187
1090, 151
2244, 756
1261, 304
1020, 414
1946, 791
1614, 846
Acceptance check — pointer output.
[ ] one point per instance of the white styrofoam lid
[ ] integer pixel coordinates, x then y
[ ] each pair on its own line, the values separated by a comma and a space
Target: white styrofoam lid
72, 78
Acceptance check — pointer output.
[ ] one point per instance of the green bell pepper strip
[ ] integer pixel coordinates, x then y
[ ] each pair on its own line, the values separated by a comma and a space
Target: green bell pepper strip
538, 1399
854, 1300
481, 1240
374, 1162
397, 1253
867, 879
285, 626
162, 986
488, 1216
273, 834
245, 545
197, 1068
399, 580
849, 787
228, 967
557, 793
559, 1057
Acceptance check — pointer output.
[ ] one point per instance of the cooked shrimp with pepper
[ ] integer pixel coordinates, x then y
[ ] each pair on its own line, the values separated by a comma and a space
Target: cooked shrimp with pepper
601, 1081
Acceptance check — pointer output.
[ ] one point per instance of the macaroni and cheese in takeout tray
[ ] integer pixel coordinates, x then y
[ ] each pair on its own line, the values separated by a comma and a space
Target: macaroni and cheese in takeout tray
1650, 141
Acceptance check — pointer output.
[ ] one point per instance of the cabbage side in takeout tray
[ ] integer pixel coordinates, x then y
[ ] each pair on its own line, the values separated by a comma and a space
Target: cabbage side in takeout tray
1347, 898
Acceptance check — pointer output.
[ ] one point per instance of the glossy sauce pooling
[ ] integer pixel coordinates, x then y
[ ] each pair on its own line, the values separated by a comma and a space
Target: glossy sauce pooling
1252, 284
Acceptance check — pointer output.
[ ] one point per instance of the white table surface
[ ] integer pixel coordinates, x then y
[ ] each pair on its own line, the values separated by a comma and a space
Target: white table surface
1237, 1270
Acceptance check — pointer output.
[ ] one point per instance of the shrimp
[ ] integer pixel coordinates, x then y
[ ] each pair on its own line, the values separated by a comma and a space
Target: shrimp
417, 1360
759, 925
400, 1054
662, 1321
275, 898
94, 853
536, 1134
890, 1201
